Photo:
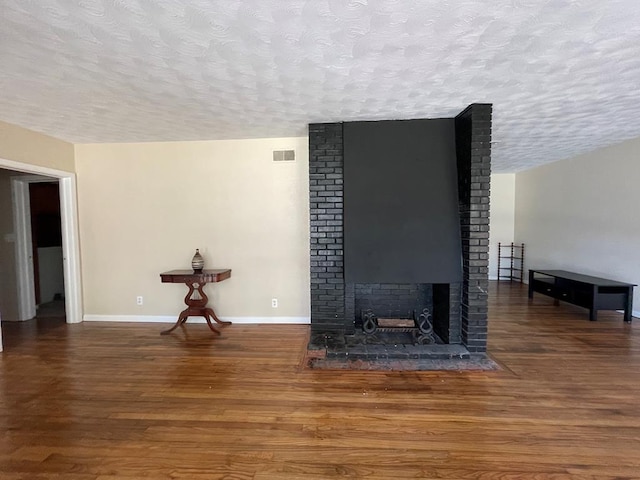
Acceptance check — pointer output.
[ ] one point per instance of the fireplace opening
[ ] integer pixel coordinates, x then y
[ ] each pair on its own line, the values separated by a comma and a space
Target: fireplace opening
418, 313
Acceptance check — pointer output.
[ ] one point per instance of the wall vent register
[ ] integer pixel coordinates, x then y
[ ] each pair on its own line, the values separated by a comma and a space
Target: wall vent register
284, 155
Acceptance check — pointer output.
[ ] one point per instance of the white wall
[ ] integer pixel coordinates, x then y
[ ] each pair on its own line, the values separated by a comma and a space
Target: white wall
144, 208
501, 227
582, 214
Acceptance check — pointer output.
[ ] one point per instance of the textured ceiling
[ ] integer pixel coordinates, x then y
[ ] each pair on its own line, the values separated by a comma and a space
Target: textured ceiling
563, 75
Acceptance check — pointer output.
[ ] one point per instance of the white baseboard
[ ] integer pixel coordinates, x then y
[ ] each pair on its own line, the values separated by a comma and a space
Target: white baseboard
173, 318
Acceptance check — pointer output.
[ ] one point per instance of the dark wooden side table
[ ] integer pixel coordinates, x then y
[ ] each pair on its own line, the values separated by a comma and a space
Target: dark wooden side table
196, 307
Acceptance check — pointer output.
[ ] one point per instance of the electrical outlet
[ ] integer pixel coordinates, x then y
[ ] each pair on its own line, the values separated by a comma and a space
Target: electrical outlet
274, 303
139, 300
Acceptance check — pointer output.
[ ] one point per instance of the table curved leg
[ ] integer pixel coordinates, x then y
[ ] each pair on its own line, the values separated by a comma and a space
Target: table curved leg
210, 311
211, 326
182, 318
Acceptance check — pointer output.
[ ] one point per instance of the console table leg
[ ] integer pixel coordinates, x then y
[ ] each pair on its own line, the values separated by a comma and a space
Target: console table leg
213, 315
593, 314
182, 318
209, 313
211, 327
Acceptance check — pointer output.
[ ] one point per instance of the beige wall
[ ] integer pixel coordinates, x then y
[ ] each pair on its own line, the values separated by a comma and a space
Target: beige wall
501, 227
8, 281
582, 214
145, 208
26, 146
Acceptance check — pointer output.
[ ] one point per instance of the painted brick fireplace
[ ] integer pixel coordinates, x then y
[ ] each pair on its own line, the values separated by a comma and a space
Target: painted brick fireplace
455, 293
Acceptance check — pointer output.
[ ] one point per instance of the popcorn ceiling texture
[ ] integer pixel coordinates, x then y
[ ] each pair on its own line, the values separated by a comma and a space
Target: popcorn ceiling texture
563, 75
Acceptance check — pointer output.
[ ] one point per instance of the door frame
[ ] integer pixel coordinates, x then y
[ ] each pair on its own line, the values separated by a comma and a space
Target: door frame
70, 237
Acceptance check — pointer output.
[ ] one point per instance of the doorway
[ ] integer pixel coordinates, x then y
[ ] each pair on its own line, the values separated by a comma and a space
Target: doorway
23, 247
46, 241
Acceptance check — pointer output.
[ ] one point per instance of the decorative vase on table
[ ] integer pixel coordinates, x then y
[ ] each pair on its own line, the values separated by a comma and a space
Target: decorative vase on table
197, 262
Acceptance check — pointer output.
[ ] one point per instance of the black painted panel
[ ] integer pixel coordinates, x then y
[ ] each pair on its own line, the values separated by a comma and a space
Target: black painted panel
401, 222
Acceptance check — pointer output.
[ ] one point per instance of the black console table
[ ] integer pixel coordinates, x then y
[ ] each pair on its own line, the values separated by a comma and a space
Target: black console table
583, 290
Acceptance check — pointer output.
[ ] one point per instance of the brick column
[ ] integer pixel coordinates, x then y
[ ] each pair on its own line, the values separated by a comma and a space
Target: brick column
326, 210
473, 150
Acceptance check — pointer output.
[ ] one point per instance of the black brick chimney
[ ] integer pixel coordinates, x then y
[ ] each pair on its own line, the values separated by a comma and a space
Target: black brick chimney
473, 151
326, 210
459, 307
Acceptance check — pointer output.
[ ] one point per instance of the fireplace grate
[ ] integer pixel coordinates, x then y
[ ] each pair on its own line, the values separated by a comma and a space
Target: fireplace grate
420, 325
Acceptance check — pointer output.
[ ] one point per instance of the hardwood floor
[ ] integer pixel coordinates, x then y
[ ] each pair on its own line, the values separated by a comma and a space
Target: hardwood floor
119, 401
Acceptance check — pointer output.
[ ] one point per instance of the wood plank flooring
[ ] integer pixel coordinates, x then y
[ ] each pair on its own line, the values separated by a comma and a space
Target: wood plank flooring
99, 401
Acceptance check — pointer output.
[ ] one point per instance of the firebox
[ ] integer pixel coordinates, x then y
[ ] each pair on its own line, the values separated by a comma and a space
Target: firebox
394, 308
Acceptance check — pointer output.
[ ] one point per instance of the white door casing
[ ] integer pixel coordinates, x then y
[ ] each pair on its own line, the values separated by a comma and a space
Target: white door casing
23, 246
70, 241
